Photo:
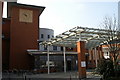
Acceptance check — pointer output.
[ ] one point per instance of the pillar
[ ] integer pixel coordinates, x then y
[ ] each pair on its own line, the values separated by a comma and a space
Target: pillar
96, 57
64, 60
81, 59
1, 8
92, 58
48, 59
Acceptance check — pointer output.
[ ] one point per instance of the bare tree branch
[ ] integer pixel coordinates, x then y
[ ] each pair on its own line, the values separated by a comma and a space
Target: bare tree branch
112, 37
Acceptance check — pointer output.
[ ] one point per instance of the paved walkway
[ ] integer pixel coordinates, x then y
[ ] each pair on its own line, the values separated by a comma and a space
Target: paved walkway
52, 76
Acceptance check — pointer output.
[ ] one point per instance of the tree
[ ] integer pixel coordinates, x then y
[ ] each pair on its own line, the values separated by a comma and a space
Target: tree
112, 40
105, 68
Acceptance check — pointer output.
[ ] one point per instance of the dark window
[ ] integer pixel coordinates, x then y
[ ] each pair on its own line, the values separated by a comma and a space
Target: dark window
3, 36
61, 48
3, 22
42, 36
45, 47
48, 36
107, 54
52, 36
40, 41
71, 48
54, 47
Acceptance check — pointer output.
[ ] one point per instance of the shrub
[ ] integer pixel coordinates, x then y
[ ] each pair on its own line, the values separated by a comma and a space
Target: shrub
105, 68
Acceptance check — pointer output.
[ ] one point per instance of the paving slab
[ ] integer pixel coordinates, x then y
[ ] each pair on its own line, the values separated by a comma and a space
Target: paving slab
71, 75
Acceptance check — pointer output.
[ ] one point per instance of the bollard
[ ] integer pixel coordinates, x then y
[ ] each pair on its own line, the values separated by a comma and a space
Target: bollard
25, 77
70, 75
9, 75
79, 77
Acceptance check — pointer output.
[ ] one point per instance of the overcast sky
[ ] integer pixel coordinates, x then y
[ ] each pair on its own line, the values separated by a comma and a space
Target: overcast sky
62, 15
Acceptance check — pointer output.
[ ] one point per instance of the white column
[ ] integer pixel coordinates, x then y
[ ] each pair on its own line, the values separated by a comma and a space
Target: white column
64, 59
48, 59
0, 40
79, 37
96, 57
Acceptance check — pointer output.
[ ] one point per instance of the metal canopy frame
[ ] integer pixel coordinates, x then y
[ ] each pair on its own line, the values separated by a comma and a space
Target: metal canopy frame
93, 37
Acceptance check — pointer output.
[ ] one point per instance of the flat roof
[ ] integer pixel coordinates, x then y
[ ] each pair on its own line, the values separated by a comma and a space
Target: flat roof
46, 29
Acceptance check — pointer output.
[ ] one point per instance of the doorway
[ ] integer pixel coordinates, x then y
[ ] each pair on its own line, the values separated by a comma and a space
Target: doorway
69, 65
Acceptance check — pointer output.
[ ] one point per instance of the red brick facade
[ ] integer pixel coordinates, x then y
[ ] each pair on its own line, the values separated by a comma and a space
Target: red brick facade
22, 36
6, 43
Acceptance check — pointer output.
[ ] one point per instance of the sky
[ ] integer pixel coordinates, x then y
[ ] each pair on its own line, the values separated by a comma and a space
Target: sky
62, 15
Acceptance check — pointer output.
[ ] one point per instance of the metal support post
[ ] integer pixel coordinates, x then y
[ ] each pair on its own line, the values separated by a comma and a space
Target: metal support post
48, 59
96, 57
64, 60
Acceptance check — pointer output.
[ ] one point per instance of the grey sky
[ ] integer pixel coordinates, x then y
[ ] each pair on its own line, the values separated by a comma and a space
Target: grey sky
62, 15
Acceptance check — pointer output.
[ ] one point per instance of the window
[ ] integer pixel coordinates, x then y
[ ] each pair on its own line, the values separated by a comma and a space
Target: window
3, 22
45, 47
3, 36
71, 48
61, 48
52, 36
107, 54
54, 47
48, 36
40, 41
42, 36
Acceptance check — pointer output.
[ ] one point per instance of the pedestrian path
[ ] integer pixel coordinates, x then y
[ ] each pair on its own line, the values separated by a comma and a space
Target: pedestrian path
71, 75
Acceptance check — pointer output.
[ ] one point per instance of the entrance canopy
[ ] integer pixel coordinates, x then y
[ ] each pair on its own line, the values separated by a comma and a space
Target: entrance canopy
93, 37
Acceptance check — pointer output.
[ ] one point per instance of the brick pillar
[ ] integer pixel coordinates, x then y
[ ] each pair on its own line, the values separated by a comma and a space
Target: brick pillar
81, 59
